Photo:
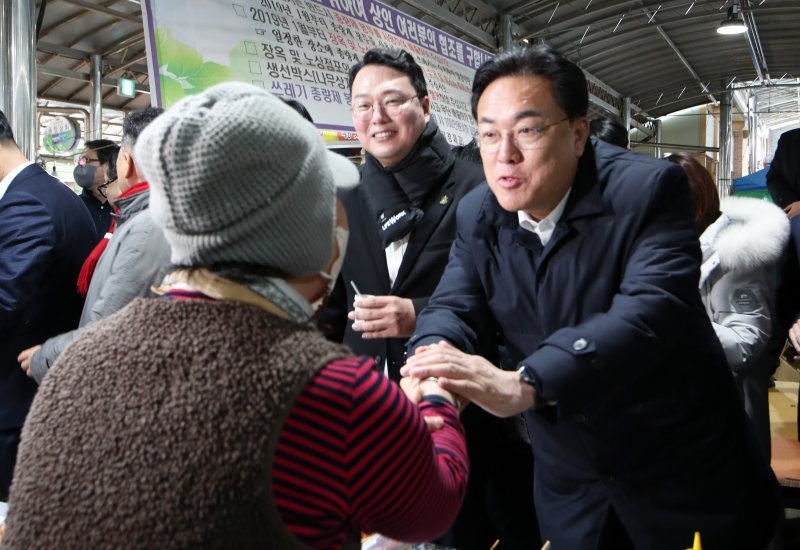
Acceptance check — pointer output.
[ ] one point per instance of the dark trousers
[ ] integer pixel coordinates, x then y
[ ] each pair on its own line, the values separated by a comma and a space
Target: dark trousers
753, 387
613, 535
9, 441
787, 299
499, 499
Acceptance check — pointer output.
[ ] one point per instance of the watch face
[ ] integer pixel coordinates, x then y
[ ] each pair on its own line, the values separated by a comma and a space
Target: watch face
524, 375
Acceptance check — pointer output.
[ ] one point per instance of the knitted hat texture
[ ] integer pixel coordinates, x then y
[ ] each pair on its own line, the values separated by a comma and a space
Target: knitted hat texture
237, 176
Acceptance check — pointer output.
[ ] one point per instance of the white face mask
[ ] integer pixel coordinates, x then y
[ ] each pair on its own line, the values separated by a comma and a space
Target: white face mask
341, 235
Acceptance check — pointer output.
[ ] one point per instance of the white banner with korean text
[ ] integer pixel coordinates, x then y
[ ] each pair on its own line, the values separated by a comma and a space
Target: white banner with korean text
303, 49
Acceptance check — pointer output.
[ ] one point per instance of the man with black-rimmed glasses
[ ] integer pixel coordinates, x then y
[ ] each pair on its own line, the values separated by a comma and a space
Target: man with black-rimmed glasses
585, 258
89, 174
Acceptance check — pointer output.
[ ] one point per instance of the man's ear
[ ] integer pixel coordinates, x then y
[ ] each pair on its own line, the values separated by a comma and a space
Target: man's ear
130, 165
581, 128
426, 107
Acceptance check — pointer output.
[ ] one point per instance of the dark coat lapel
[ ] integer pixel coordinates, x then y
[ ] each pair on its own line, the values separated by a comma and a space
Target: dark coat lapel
435, 210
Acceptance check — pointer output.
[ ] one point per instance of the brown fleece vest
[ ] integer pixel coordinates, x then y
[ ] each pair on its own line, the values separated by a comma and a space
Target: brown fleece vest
158, 428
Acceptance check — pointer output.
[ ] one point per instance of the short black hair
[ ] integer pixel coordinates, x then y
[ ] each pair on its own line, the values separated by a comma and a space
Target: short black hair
470, 151
105, 149
399, 60
569, 82
610, 131
111, 169
5, 129
137, 121
299, 107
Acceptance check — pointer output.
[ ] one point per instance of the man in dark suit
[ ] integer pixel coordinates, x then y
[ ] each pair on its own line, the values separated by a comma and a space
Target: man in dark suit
783, 183
783, 177
584, 257
402, 215
45, 234
402, 224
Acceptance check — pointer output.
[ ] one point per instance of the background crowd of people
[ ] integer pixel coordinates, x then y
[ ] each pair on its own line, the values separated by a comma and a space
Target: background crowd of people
538, 336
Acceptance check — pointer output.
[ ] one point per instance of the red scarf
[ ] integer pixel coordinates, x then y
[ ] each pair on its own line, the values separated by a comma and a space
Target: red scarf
87, 270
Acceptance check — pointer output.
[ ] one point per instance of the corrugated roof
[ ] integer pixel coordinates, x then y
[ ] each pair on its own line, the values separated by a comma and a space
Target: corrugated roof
663, 54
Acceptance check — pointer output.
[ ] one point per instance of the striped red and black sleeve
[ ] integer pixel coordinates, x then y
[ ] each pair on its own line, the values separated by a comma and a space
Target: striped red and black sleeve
355, 453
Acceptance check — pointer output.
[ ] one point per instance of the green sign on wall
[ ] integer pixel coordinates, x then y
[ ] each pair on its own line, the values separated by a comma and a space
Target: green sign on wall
61, 135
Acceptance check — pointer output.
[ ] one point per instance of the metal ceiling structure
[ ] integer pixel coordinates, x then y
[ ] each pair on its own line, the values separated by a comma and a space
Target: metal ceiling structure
664, 55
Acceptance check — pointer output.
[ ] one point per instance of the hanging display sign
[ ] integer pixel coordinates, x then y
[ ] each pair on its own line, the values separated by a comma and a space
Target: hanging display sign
60, 135
303, 49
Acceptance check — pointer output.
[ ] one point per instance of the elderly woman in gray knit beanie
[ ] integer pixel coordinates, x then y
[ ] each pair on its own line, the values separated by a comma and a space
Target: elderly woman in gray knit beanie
218, 416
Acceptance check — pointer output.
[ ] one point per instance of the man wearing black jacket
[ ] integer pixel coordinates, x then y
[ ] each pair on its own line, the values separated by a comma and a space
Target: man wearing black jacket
783, 178
783, 183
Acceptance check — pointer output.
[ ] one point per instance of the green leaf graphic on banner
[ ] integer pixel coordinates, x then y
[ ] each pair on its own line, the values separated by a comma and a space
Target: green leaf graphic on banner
182, 70
240, 61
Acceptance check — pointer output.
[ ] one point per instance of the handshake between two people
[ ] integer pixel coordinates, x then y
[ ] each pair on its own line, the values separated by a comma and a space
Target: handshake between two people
469, 378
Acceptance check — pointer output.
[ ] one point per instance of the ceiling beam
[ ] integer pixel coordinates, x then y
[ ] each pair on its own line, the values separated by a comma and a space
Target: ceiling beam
114, 64
754, 45
481, 6
662, 33
124, 44
72, 18
64, 51
132, 64
102, 9
83, 77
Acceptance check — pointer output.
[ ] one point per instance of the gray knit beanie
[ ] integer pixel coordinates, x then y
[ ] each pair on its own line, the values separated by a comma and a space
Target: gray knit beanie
237, 176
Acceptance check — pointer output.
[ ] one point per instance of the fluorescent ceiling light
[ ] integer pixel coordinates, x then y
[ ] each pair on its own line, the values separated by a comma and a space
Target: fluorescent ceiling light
733, 23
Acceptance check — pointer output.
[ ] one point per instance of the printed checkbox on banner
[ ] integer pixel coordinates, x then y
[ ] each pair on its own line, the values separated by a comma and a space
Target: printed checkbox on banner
255, 67
239, 10
259, 83
250, 47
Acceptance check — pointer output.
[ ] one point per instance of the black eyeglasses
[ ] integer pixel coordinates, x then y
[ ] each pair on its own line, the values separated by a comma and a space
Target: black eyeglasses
83, 161
524, 137
103, 187
392, 106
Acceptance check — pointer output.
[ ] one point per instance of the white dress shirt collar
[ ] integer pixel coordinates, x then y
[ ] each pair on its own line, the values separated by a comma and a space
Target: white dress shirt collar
6, 181
547, 225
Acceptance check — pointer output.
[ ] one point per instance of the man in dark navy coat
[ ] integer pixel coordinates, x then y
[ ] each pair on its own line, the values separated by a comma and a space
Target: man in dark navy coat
46, 233
584, 257
783, 177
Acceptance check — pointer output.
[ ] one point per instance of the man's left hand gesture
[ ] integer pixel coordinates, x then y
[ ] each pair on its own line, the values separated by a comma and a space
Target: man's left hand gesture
499, 392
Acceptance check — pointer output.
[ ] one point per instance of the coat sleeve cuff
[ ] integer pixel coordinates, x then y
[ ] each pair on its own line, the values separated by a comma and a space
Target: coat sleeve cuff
419, 304
39, 366
558, 367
